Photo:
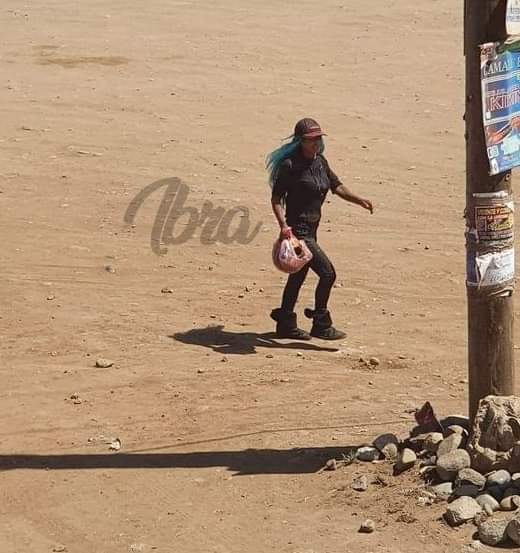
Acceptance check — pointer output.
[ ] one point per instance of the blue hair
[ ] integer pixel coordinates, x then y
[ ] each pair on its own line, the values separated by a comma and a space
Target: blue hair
276, 157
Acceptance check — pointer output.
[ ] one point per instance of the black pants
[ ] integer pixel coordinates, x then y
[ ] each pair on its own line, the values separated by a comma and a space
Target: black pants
319, 263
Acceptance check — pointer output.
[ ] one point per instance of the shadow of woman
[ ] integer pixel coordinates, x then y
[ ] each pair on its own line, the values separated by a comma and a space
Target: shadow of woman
243, 343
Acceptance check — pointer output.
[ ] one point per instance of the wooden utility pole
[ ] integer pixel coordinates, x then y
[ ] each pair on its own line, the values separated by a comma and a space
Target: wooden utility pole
490, 311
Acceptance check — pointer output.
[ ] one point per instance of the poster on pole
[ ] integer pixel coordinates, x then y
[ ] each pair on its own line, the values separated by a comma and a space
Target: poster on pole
500, 80
513, 17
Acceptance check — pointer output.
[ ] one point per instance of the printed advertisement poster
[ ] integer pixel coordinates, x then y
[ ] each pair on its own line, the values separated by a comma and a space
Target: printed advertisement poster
490, 269
500, 80
494, 223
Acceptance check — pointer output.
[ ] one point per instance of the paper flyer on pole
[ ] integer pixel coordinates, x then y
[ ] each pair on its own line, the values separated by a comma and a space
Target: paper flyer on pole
500, 80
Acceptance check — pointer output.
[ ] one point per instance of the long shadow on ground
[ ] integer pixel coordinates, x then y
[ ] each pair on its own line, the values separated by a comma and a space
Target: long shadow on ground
228, 342
249, 461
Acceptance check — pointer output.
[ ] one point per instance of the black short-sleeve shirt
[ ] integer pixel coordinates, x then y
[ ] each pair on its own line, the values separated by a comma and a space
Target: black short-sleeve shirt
304, 184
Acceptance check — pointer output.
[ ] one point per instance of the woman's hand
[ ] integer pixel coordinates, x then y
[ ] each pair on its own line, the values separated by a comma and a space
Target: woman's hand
285, 232
366, 204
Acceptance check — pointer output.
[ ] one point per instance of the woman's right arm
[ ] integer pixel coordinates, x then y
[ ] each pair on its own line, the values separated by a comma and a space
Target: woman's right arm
280, 188
279, 214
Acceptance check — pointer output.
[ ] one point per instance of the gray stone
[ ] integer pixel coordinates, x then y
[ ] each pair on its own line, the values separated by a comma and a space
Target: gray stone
486, 500
331, 464
488, 510
367, 527
368, 454
385, 439
515, 479
456, 429
496, 491
428, 461
449, 465
479, 518
510, 503
472, 547
493, 531
456, 420
461, 510
513, 529
432, 441
443, 491
406, 460
360, 484
469, 490
449, 444
470, 476
390, 452
499, 478
510, 491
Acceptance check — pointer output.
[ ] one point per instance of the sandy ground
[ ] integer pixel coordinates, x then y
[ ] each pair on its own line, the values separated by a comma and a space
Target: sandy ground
223, 429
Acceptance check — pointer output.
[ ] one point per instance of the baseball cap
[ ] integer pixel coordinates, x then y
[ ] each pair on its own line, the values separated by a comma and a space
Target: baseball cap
308, 128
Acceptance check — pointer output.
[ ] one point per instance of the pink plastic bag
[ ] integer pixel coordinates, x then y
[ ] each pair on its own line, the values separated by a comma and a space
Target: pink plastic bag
290, 254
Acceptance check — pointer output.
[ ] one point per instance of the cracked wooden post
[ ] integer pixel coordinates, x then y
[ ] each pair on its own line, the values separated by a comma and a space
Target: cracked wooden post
490, 308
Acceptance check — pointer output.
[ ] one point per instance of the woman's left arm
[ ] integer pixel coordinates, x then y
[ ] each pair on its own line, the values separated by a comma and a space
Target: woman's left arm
343, 192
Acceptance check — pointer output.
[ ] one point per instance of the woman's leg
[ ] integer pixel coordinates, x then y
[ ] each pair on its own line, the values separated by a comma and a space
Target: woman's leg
292, 288
323, 267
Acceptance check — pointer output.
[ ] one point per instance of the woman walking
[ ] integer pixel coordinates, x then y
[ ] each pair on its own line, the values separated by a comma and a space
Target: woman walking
300, 178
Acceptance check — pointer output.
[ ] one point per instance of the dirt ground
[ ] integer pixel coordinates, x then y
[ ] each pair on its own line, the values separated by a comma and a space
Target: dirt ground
223, 429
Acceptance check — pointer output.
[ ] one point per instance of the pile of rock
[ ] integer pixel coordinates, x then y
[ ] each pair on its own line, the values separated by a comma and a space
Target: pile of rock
451, 461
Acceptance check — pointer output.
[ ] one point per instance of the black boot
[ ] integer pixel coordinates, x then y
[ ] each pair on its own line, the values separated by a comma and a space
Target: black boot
322, 325
286, 326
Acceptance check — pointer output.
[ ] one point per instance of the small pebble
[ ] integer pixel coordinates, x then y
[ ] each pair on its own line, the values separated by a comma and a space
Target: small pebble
374, 361
367, 527
167, 291
360, 484
104, 363
424, 501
